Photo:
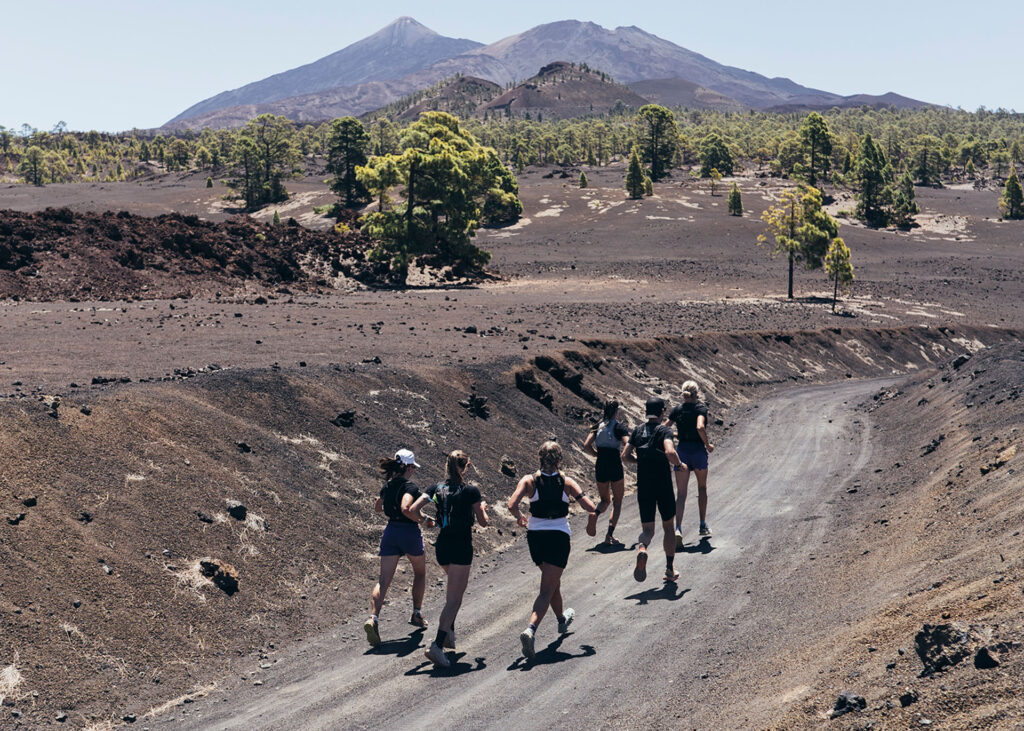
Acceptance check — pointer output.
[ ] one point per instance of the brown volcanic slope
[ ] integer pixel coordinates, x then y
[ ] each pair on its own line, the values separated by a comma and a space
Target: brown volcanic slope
685, 94
563, 90
462, 96
400, 48
627, 53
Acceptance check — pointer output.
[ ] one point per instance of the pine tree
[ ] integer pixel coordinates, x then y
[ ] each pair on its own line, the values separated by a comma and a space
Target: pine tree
583, 179
1012, 203
817, 144
33, 165
635, 176
969, 169
735, 201
277, 218
209, 182
714, 153
657, 135
714, 177
838, 267
904, 206
347, 145
873, 175
799, 228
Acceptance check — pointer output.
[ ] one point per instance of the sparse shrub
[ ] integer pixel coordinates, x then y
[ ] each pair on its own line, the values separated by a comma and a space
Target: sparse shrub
583, 180
735, 201
277, 218
209, 182
341, 228
261, 237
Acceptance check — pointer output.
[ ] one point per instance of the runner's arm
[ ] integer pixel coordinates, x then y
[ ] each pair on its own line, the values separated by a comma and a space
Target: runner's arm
588, 445
413, 509
378, 505
576, 493
480, 510
627, 454
670, 452
517, 495
702, 432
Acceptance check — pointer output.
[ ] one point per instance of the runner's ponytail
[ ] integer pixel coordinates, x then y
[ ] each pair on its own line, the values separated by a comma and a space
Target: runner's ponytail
456, 463
390, 468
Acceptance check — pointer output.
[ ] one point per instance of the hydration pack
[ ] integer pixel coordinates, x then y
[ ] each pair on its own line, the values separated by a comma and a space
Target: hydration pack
445, 499
646, 446
549, 490
605, 437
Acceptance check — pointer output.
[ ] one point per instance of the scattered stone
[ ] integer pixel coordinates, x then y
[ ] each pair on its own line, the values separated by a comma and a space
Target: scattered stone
243, 447
29, 502
107, 570
375, 359
257, 682
77, 603
345, 419
84, 516
223, 575
960, 360
508, 466
908, 697
203, 517
128, 718
942, 646
60, 717
470, 330
1002, 458
237, 510
847, 702
86, 411
260, 300
17, 518
983, 659
933, 445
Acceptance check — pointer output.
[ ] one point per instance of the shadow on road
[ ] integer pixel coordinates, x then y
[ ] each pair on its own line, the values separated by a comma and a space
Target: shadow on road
400, 648
703, 547
603, 547
551, 655
669, 591
457, 667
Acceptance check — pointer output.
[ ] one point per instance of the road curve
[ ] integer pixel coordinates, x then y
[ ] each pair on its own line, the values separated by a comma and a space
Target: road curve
703, 653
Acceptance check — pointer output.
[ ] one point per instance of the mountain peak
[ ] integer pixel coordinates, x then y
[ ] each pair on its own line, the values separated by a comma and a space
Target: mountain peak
404, 30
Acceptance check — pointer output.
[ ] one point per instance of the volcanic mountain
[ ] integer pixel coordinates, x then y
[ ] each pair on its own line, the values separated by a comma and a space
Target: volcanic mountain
406, 57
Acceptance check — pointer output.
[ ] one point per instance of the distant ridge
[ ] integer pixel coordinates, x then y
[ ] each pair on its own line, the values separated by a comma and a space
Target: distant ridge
405, 57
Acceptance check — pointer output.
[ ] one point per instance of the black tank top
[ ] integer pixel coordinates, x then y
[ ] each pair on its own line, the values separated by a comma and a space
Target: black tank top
549, 490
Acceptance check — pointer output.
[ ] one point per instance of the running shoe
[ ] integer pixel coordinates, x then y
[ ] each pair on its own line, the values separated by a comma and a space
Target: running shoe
611, 540
592, 524
418, 620
705, 531
449, 640
640, 572
679, 539
527, 639
436, 655
671, 575
566, 620
372, 634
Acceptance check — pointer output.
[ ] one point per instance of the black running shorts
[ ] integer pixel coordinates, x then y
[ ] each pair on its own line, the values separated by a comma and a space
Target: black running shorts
549, 546
608, 467
453, 551
655, 494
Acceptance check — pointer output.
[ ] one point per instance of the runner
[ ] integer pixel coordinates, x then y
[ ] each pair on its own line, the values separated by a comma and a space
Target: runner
547, 535
650, 448
401, 537
691, 419
457, 505
605, 441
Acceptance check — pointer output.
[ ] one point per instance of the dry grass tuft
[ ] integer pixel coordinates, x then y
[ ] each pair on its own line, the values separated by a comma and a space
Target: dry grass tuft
10, 679
192, 581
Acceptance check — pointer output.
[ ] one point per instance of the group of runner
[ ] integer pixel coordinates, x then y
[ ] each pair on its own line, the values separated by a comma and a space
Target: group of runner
658, 455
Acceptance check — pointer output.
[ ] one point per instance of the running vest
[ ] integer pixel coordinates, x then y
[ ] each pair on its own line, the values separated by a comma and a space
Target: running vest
391, 496
548, 490
445, 497
605, 437
646, 445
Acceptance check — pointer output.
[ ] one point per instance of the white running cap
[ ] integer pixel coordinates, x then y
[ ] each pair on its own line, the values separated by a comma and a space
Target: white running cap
405, 456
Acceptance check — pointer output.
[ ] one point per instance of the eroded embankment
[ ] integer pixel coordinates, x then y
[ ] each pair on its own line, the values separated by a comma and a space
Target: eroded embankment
129, 510
936, 527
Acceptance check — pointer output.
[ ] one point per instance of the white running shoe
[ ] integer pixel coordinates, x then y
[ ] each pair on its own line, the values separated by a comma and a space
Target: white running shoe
527, 639
436, 655
566, 620
372, 633
679, 539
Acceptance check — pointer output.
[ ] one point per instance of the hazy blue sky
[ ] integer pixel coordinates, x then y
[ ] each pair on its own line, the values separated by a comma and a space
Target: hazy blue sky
117, 64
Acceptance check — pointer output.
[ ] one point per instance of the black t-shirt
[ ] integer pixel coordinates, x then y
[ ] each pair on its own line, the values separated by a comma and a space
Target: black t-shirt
458, 523
391, 495
655, 436
685, 418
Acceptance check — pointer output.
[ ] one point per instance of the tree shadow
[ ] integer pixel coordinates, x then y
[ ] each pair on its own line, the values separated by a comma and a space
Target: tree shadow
668, 591
703, 547
551, 655
399, 648
457, 667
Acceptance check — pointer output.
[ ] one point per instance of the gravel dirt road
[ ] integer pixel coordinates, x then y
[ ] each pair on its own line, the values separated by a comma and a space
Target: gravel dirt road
642, 655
